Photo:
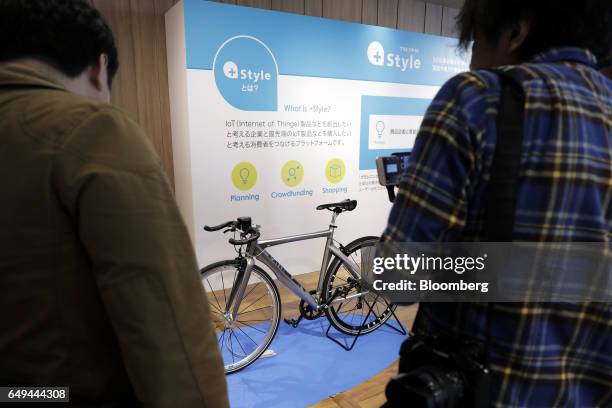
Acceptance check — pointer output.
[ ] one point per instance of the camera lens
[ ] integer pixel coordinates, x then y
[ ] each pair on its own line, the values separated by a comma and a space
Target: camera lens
429, 386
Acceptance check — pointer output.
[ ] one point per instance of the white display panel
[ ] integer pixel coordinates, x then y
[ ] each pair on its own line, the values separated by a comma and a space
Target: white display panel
273, 114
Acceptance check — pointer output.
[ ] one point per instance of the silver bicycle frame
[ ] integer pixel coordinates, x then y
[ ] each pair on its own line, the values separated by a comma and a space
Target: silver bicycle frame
257, 250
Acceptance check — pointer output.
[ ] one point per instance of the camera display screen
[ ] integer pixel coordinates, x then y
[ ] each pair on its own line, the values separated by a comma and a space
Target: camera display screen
392, 168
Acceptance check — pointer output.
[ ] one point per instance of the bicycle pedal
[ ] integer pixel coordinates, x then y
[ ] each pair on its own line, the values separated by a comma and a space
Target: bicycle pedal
293, 322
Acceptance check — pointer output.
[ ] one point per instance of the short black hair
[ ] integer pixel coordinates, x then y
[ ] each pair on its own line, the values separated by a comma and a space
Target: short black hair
70, 35
554, 23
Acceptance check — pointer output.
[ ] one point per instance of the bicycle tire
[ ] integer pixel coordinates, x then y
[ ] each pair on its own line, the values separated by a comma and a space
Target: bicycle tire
229, 350
338, 318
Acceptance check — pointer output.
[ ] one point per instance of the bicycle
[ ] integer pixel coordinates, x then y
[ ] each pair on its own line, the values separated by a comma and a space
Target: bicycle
245, 332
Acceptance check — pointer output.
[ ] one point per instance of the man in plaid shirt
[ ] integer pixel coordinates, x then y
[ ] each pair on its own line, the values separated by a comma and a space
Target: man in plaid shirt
540, 354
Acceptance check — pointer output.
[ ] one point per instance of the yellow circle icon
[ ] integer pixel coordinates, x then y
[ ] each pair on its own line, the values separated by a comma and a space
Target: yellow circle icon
335, 171
292, 173
244, 176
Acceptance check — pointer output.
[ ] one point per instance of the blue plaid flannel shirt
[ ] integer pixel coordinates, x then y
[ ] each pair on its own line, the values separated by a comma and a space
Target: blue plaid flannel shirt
540, 354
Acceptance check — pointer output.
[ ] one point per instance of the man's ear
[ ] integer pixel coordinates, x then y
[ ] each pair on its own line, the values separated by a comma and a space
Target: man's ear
517, 35
97, 73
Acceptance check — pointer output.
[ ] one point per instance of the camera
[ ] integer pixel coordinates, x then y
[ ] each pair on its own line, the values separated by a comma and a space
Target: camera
439, 372
390, 168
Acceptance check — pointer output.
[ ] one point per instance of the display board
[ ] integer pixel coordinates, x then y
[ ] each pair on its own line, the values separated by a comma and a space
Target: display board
275, 113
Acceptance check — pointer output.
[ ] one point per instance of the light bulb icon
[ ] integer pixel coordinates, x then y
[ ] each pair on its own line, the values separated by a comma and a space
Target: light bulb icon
380, 127
244, 175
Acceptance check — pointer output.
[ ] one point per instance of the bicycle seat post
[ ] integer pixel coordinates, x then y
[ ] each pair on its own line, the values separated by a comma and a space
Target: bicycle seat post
333, 220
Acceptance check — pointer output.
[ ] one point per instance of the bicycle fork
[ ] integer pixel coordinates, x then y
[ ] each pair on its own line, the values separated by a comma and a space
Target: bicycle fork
237, 293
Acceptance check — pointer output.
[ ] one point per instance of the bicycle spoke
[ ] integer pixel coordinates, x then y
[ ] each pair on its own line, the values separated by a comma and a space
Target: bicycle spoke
254, 310
342, 279
353, 315
247, 335
252, 303
220, 342
254, 320
213, 293
350, 310
231, 346
251, 291
215, 307
252, 327
339, 307
240, 344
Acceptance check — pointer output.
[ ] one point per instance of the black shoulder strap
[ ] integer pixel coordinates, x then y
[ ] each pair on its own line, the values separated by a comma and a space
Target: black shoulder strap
500, 204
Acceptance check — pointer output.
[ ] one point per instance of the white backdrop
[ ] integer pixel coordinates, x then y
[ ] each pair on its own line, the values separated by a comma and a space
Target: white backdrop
212, 164
339, 67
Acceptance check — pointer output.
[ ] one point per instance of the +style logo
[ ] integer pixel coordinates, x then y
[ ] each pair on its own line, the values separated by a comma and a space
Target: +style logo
376, 53
404, 60
230, 69
246, 74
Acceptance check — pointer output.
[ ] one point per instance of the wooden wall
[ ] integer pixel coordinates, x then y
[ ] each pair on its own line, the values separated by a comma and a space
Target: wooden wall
433, 17
141, 86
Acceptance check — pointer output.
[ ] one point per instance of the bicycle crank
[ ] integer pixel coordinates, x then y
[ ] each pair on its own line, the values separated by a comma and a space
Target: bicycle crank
306, 312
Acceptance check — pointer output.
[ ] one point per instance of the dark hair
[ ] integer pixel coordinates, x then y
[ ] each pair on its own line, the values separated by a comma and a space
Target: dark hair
554, 23
70, 35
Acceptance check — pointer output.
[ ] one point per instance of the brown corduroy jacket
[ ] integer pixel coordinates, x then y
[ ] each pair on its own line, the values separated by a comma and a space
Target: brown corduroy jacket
99, 288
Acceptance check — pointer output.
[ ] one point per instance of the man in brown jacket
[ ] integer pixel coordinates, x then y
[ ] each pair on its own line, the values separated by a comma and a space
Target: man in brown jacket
99, 288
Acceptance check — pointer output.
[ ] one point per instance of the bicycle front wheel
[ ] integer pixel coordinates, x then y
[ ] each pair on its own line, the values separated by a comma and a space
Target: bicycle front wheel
244, 337
353, 309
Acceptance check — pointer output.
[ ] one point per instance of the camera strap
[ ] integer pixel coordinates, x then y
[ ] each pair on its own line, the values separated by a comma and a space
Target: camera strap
500, 200
501, 197
500, 206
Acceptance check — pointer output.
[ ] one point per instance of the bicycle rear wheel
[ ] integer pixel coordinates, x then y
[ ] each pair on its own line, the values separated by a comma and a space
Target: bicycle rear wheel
243, 339
353, 309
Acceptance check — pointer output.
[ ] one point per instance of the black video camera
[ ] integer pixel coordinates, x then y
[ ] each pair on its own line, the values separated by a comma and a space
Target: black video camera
390, 169
439, 372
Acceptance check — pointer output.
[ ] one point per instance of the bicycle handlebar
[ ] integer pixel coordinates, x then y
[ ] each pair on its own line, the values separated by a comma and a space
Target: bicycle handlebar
220, 226
254, 237
236, 225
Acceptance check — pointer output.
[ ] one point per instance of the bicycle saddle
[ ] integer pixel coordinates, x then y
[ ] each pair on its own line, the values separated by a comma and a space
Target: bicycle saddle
346, 205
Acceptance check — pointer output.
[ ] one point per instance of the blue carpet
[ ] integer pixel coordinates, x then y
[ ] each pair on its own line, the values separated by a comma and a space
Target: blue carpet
309, 367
